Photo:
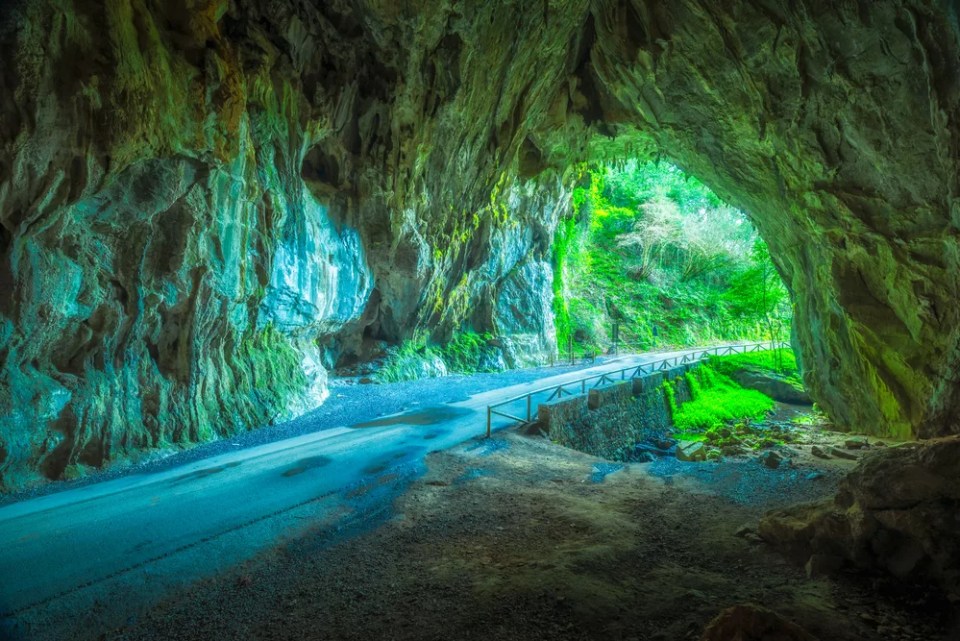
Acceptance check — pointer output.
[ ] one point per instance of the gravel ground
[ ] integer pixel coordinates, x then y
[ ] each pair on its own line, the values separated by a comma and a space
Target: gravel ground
747, 482
516, 539
349, 402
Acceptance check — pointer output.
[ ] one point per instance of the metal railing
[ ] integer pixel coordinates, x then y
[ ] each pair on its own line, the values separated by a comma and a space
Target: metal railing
581, 385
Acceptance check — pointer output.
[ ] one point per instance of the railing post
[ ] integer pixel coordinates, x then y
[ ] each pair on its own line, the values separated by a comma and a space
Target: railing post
489, 420
529, 402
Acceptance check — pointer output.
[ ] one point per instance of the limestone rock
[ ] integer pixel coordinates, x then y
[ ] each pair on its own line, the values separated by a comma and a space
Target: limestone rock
838, 452
753, 623
773, 460
776, 388
819, 452
204, 206
691, 451
822, 565
893, 512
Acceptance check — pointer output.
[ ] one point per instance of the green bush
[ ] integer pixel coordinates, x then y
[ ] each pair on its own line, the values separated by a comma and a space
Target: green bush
410, 360
469, 353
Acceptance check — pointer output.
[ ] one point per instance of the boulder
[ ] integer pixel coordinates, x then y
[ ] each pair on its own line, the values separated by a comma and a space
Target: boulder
895, 512
819, 452
841, 453
822, 565
771, 459
777, 388
856, 443
691, 451
753, 623
732, 450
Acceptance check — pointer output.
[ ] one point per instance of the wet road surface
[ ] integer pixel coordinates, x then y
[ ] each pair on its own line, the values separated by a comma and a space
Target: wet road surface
107, 550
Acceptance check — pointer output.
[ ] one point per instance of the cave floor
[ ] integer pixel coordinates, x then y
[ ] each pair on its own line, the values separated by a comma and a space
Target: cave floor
517, 538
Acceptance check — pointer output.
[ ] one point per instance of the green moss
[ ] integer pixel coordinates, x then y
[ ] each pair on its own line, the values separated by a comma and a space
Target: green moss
277, 372
781, 361
410, 360
468, 353
778, 362
716, 399
671, 395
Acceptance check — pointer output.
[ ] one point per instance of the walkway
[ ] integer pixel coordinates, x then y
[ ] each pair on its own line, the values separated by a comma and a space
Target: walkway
108, 549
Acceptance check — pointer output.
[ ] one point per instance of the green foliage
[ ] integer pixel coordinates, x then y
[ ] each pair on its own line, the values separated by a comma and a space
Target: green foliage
781, 362
412, 359
716, 399
758, 290
276, 368
660, 254
466, 353
469, 353
565, 237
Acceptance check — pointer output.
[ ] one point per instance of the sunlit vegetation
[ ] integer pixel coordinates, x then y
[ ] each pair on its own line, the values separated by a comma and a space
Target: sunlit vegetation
658, 253
781, 363
715, 400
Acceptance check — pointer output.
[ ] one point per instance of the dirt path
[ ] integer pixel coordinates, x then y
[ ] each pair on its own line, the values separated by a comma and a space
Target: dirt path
516, 538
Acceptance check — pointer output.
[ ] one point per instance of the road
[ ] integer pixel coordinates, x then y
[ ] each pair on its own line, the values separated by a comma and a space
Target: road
90, 558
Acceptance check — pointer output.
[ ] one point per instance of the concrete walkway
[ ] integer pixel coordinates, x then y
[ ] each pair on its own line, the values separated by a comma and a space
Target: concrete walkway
88, 559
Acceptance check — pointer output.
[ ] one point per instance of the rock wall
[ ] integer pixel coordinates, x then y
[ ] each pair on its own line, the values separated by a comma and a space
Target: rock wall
205, 203
897, 511
835, 126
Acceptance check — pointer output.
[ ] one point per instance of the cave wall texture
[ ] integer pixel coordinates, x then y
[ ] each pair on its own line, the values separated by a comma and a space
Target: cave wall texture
205, 203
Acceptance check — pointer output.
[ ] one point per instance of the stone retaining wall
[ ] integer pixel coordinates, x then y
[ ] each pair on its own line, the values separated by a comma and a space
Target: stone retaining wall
609, 420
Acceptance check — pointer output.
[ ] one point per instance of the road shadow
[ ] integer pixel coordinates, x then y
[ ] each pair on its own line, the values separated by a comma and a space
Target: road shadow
426, 416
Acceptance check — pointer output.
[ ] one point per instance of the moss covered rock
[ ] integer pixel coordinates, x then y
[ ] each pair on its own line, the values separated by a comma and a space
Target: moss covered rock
195, 196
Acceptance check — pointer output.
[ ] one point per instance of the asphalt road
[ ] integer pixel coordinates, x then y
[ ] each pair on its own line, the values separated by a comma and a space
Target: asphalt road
89, 559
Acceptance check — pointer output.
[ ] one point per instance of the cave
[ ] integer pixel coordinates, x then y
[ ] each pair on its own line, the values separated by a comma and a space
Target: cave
207, 206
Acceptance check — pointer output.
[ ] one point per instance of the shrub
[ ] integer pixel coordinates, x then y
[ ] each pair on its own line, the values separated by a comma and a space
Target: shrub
416, 358
411, 360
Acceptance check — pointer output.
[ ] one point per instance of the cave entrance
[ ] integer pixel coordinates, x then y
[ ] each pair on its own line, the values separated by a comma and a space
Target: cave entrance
651, 258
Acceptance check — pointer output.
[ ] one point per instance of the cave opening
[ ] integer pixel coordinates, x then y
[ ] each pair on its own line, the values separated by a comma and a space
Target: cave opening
650, 258
223, 223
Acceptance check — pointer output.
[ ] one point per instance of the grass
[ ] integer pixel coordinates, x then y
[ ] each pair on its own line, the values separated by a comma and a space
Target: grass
469, 353
716, 400
411, 360
779, 362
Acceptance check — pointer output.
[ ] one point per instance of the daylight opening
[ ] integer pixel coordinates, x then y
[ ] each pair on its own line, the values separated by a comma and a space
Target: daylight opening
650, 257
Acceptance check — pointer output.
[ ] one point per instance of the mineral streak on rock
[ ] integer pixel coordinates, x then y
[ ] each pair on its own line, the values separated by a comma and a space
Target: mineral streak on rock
204, 204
